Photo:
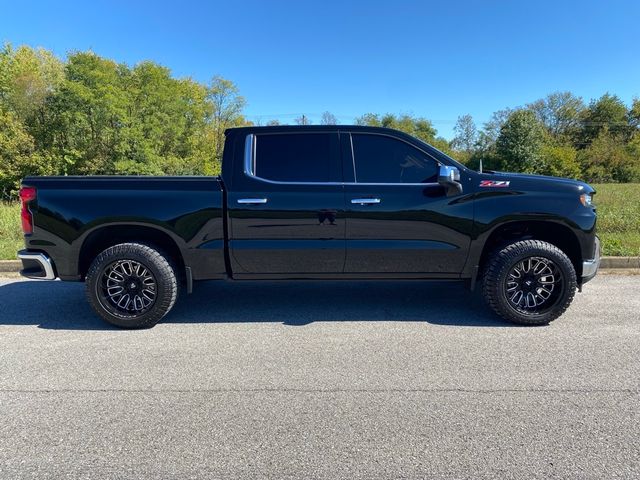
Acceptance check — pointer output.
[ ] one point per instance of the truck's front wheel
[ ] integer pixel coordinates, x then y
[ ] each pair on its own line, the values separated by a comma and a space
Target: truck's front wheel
529, 282
131, 285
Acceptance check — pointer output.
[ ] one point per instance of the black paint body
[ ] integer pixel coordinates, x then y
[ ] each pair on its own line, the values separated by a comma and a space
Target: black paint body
307, 230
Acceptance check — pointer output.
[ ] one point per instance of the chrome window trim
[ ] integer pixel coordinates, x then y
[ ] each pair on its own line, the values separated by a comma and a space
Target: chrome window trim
250, 163
280, 182
252, 201
249, 155
353, 158
365, 201
394, 184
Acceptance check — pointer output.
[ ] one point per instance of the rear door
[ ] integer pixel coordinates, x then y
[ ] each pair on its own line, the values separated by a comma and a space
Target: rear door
399, 219
286, 207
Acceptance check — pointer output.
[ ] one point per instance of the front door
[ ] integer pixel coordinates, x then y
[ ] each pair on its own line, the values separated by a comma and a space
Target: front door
399, 219
286, 206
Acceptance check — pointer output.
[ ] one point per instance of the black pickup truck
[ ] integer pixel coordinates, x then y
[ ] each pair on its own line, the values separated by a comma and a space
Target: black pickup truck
314, 202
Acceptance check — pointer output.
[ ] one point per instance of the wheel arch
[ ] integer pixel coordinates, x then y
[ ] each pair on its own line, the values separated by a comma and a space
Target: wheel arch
109, 235
555, 233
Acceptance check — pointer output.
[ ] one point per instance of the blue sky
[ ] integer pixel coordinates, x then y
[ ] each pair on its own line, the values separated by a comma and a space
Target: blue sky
433, 59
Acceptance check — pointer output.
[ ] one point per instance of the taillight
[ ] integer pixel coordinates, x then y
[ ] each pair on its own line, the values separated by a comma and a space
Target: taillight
27, 194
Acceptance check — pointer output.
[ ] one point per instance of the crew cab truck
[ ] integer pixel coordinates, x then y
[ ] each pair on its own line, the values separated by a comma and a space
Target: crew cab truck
314, 202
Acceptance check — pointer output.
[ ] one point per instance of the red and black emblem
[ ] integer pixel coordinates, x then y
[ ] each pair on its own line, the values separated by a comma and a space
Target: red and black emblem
494, 183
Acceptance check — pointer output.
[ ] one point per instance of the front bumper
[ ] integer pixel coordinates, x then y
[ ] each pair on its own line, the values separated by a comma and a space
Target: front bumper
36, 265
590, 267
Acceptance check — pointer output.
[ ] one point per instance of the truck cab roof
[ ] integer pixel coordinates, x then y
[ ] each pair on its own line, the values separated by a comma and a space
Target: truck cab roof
315, 128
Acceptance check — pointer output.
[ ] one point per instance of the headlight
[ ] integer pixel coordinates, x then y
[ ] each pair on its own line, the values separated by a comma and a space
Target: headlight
586, 199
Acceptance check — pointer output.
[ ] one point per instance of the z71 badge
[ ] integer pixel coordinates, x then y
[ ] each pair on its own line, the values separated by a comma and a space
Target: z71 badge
494, 183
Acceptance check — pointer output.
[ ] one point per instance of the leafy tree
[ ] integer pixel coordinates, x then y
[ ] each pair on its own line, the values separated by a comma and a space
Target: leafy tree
491, 129
444, 146
88, 112
634, 116
559, 112
466, 134
328, 118
18, 156
417, 126
519, 145
607, 112
227, 110
27, 77
369, 119
16, 146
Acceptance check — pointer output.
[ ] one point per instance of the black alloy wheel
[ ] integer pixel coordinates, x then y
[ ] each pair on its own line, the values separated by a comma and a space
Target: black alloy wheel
534, 285
127, 288
529, 282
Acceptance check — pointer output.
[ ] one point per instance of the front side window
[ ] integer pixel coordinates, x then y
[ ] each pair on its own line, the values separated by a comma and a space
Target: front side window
382, 159
295, 157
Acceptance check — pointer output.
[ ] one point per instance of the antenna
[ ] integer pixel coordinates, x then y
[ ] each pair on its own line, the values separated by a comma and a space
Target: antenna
480, 169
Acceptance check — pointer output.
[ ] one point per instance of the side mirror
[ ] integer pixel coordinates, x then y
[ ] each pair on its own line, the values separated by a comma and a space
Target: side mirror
449, 177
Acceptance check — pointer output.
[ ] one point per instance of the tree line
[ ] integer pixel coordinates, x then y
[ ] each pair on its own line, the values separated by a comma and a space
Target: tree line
557, 135
88, 115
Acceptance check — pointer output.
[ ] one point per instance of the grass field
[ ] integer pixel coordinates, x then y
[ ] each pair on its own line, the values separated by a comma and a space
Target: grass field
618, 208
618, 221
10, 232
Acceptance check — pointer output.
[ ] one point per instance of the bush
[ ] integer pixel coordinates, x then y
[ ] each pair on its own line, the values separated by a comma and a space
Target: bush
560, 161
16, 149
608, 160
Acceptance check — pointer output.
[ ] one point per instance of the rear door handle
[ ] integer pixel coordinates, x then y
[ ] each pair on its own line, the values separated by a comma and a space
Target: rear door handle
252, 201
365, 201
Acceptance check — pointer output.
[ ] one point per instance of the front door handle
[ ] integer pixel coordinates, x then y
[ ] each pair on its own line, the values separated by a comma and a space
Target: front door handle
365, 201
252, 201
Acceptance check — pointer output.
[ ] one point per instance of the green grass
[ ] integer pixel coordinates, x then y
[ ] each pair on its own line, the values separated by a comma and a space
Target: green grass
10, 231
618, 221
618, 207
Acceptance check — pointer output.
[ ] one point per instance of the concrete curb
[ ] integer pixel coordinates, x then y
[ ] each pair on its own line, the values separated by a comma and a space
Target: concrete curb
620, 262
10, 265
605, 262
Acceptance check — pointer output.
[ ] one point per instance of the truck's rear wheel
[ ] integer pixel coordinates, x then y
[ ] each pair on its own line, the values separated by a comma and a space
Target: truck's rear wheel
529, 282
131, 285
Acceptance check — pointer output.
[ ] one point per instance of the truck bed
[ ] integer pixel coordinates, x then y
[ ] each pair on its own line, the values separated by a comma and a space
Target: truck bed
75, 213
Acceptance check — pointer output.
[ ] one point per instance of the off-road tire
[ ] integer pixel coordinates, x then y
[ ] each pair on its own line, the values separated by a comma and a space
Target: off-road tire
501, 263
166, 285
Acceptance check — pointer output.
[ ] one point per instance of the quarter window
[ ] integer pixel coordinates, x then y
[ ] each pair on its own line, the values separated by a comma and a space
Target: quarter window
382, 159
298, 157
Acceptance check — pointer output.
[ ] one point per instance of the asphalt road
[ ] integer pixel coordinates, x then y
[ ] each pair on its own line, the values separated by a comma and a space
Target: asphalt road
320, 380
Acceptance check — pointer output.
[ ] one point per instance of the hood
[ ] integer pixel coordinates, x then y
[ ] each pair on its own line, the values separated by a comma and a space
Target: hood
519, 180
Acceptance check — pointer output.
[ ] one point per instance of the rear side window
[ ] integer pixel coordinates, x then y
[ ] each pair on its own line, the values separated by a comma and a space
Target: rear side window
382, 159
296, 157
